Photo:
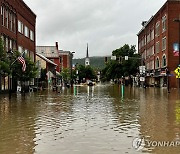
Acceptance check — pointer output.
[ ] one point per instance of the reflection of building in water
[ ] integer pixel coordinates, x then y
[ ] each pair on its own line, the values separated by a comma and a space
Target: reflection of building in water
17, 132
158, 117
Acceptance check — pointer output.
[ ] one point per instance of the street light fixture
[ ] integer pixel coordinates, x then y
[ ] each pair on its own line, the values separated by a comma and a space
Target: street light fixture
178, 21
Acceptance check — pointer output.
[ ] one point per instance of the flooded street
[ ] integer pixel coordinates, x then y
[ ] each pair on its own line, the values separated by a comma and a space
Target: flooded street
90, 120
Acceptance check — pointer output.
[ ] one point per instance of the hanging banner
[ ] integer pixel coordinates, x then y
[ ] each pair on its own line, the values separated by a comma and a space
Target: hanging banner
176, 49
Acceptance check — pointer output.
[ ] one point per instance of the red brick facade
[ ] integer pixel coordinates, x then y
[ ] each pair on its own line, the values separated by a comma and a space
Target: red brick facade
16, 16
17, 30
155, 44
66, 59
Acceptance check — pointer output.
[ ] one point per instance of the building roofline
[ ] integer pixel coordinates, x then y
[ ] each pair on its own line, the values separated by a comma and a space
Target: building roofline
145, 25
28, 7
155, 15
46, 59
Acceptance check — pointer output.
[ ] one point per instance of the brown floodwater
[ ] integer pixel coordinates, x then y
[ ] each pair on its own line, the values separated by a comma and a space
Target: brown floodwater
104, 119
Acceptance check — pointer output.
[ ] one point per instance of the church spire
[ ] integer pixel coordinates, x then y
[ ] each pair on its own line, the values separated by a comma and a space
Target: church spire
87, 60
87, 53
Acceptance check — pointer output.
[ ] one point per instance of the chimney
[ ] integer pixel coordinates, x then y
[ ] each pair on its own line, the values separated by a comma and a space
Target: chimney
57, 46
143, 23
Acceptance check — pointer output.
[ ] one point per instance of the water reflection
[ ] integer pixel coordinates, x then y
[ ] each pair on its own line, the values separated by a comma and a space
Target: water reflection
100, 119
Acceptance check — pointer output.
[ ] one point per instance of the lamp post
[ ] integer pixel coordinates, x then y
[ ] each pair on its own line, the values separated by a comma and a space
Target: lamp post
178, 21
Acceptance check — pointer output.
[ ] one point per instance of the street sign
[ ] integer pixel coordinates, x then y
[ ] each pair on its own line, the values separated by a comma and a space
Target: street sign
113, 57
142, 69
177, 71
126, 57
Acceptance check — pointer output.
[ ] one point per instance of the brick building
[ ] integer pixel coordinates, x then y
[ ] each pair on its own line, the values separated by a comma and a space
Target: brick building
17, 30
66, 59
155, 44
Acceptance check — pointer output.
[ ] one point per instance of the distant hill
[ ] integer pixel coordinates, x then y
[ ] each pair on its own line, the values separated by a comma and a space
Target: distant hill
96, 62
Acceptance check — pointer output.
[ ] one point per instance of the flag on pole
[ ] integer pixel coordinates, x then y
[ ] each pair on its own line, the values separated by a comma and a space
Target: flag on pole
23, 62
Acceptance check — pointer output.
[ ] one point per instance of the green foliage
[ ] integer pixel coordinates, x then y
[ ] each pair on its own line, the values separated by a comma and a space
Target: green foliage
10, 65
66, 74
4, 61
95, 62
31, 69
116, 69
43, 75
85, 72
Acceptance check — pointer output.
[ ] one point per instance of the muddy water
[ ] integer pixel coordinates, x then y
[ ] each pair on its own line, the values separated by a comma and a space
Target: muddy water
104, 119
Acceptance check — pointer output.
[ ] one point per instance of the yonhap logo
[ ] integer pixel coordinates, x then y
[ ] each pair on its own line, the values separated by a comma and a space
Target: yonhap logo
138, 143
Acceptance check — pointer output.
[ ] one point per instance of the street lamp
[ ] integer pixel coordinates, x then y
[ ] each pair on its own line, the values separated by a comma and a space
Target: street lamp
178, 20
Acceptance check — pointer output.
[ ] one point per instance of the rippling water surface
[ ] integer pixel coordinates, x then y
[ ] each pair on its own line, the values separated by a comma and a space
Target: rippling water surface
89, 120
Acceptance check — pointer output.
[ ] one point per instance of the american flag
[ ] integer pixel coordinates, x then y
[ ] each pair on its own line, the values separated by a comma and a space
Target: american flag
23, 62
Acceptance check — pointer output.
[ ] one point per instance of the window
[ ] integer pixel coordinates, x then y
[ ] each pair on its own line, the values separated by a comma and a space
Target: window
157, 28
7, 44
164, 43
152, 64
152, 34
11, 21
10, 44
157, 62
148, 38
26, 52
14, 23
26, 31
164, 23
157, 47
20, 27
6, 18
31, 35
164, 63
2, 15
152, 49
20, 49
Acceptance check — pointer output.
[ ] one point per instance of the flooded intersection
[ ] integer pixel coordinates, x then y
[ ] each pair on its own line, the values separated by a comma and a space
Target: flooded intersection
93, 120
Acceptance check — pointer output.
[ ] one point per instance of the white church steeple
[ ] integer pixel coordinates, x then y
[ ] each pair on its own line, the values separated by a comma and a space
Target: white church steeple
87, 60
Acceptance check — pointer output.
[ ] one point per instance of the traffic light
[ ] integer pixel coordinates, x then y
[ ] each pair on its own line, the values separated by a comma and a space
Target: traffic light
120, 60
105, 59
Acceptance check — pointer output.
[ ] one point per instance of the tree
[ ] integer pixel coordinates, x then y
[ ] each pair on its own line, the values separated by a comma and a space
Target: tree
117, 69
85, 73
4, 61
30, 72
66, 74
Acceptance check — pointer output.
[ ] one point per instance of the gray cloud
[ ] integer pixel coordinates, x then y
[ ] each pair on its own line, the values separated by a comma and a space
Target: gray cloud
104, 24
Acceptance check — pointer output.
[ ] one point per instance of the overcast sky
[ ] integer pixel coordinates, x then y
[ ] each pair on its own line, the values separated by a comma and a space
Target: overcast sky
104, 24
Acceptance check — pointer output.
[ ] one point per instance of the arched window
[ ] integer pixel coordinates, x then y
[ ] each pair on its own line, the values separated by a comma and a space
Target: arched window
157, 62
164, 62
